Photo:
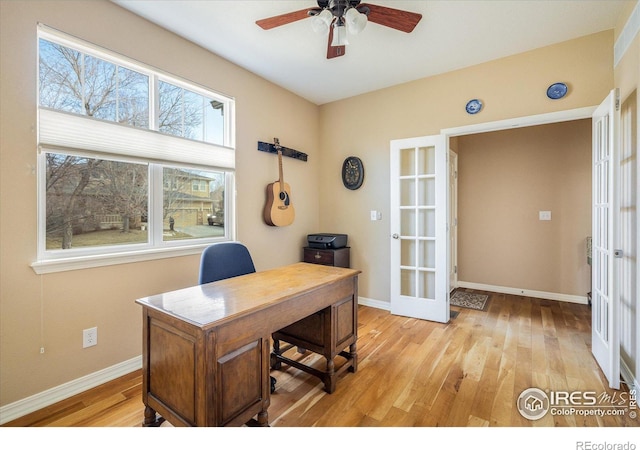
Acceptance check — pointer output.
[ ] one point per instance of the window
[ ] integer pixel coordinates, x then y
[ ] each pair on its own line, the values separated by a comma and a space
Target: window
94, 202
195, 197
82, 84
187, 114
132, 161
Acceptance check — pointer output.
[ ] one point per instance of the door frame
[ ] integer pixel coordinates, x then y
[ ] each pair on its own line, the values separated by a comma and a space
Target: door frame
452, 219
518, 122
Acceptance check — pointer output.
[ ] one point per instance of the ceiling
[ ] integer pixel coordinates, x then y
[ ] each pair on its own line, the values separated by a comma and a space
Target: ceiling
450, 36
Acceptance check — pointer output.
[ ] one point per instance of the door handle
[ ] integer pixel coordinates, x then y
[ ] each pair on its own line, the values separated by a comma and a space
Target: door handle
395, 236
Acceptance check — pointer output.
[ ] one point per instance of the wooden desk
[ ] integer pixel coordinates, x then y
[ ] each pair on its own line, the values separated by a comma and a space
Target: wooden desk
206, 348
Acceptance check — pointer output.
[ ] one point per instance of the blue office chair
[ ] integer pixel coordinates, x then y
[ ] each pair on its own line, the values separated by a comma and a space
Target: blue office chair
226, 260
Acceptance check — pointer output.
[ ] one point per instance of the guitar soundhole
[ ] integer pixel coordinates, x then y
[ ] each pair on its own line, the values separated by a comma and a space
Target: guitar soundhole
285, 198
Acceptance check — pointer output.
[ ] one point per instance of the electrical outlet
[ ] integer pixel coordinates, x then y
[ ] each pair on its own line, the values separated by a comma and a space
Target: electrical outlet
89, 337
544, 215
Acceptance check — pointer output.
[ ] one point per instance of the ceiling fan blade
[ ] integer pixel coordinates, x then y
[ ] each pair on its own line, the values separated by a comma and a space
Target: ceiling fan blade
393, 18
283, 19
338, 50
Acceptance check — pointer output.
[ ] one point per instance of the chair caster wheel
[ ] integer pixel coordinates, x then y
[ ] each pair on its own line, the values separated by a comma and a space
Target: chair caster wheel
273, 385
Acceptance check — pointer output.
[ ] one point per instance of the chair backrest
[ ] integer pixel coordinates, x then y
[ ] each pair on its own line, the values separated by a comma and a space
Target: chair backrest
224, 260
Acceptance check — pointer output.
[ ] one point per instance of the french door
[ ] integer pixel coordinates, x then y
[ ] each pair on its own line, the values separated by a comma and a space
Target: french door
605, 339
419, 236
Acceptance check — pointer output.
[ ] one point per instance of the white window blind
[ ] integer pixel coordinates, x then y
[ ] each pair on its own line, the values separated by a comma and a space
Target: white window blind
69, 131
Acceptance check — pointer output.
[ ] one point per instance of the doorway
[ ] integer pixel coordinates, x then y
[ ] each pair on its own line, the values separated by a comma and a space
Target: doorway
513, 205
629, 320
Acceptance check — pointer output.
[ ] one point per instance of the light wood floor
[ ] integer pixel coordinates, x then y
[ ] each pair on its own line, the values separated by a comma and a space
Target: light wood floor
411, 373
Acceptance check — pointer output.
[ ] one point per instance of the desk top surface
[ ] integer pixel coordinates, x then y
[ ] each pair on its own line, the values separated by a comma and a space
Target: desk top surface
213, 302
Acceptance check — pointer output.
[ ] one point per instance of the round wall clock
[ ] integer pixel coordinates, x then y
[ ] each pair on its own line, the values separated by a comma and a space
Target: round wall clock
352, 172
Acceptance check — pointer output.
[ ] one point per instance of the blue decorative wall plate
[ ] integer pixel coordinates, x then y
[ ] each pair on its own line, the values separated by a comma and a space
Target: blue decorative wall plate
474, 106
557, 91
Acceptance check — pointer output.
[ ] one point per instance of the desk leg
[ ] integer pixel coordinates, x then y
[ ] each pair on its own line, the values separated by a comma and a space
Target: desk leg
353, 353
275, 363
330, 376
151, 419
261, 421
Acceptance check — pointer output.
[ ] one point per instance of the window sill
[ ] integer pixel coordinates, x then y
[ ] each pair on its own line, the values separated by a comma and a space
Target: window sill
87, 262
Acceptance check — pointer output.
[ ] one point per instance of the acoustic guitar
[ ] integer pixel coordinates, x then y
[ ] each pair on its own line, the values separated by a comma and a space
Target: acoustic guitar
279, 211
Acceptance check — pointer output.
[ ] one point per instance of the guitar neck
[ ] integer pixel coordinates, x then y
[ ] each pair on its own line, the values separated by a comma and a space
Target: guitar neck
281, 176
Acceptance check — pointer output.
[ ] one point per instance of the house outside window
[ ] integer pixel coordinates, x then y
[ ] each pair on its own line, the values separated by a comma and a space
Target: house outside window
130, 160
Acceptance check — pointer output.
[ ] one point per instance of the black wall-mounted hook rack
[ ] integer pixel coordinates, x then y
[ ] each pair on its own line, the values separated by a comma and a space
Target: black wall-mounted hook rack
291, 153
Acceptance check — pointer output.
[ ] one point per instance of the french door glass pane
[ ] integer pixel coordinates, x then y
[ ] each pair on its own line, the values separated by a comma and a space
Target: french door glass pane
427, 191
408, 222
426, 161
408, 282
407, 162
428, 254
408, 252
407, 192
427, 283
427, 223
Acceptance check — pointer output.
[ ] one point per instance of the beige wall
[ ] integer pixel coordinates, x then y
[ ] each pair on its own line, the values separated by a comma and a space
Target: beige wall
504, 179
363, 126
51, 311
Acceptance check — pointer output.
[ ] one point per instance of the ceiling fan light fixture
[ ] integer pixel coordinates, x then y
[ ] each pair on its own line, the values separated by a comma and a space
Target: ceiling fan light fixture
321, 22
356, 21
339, 35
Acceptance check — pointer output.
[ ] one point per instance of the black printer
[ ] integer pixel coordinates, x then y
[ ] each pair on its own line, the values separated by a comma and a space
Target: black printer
327, 240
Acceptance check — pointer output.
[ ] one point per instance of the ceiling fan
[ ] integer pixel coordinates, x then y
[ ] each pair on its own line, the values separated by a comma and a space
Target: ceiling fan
336, 16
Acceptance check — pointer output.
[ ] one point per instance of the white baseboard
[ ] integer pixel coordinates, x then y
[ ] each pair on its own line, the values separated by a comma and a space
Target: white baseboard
374, 303
525, 292
46, 398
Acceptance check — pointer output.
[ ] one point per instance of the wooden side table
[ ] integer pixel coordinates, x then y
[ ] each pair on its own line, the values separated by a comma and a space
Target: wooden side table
339, 257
